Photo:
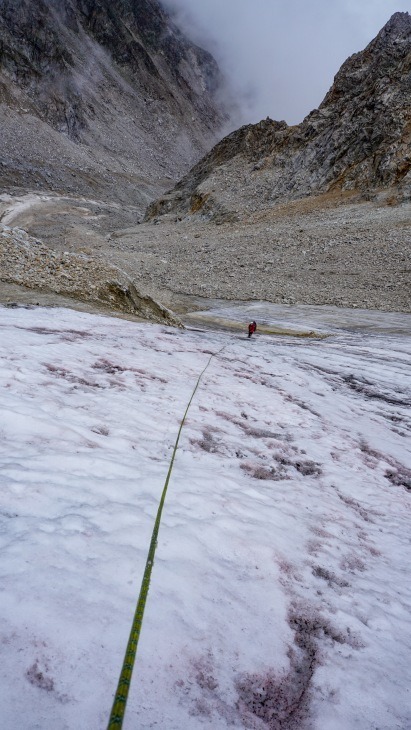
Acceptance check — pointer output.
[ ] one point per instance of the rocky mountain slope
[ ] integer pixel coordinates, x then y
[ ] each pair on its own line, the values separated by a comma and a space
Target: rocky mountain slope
359, 139
314, 214
102, 98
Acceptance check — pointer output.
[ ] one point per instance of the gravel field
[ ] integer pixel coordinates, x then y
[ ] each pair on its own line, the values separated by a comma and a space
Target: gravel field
316, 251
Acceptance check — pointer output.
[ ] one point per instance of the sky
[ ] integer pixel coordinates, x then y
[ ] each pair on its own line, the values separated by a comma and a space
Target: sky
281, 55
280, 589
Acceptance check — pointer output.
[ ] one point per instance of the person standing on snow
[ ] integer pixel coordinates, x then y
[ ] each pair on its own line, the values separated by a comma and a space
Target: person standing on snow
252, 327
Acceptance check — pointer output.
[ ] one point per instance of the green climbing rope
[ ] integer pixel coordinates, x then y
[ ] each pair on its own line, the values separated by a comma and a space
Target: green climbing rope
120, 700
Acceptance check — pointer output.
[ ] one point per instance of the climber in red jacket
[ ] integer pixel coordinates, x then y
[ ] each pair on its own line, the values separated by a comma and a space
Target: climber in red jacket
252, 327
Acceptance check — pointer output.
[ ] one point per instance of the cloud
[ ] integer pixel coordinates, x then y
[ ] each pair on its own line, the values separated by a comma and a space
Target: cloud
280, 56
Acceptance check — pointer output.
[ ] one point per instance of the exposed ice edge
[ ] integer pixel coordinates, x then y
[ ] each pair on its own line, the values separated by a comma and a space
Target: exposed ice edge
126, 297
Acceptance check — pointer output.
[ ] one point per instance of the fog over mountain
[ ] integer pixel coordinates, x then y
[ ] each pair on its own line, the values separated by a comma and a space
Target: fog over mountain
281, 58
104, 95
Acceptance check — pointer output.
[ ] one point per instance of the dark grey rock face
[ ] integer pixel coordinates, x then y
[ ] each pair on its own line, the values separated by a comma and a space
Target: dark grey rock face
110, 89
358, 139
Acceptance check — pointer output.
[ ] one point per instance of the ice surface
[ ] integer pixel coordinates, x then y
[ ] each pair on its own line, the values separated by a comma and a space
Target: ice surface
305, 318
280, 595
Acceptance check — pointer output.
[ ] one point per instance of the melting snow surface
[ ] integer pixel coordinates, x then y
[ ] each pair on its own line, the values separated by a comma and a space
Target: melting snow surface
280, 595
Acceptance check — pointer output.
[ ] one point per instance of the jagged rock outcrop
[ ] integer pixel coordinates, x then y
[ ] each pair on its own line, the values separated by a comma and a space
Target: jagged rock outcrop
104, 97
358, 139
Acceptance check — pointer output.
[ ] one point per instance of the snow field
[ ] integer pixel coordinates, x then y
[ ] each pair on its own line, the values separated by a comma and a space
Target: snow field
280, 594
